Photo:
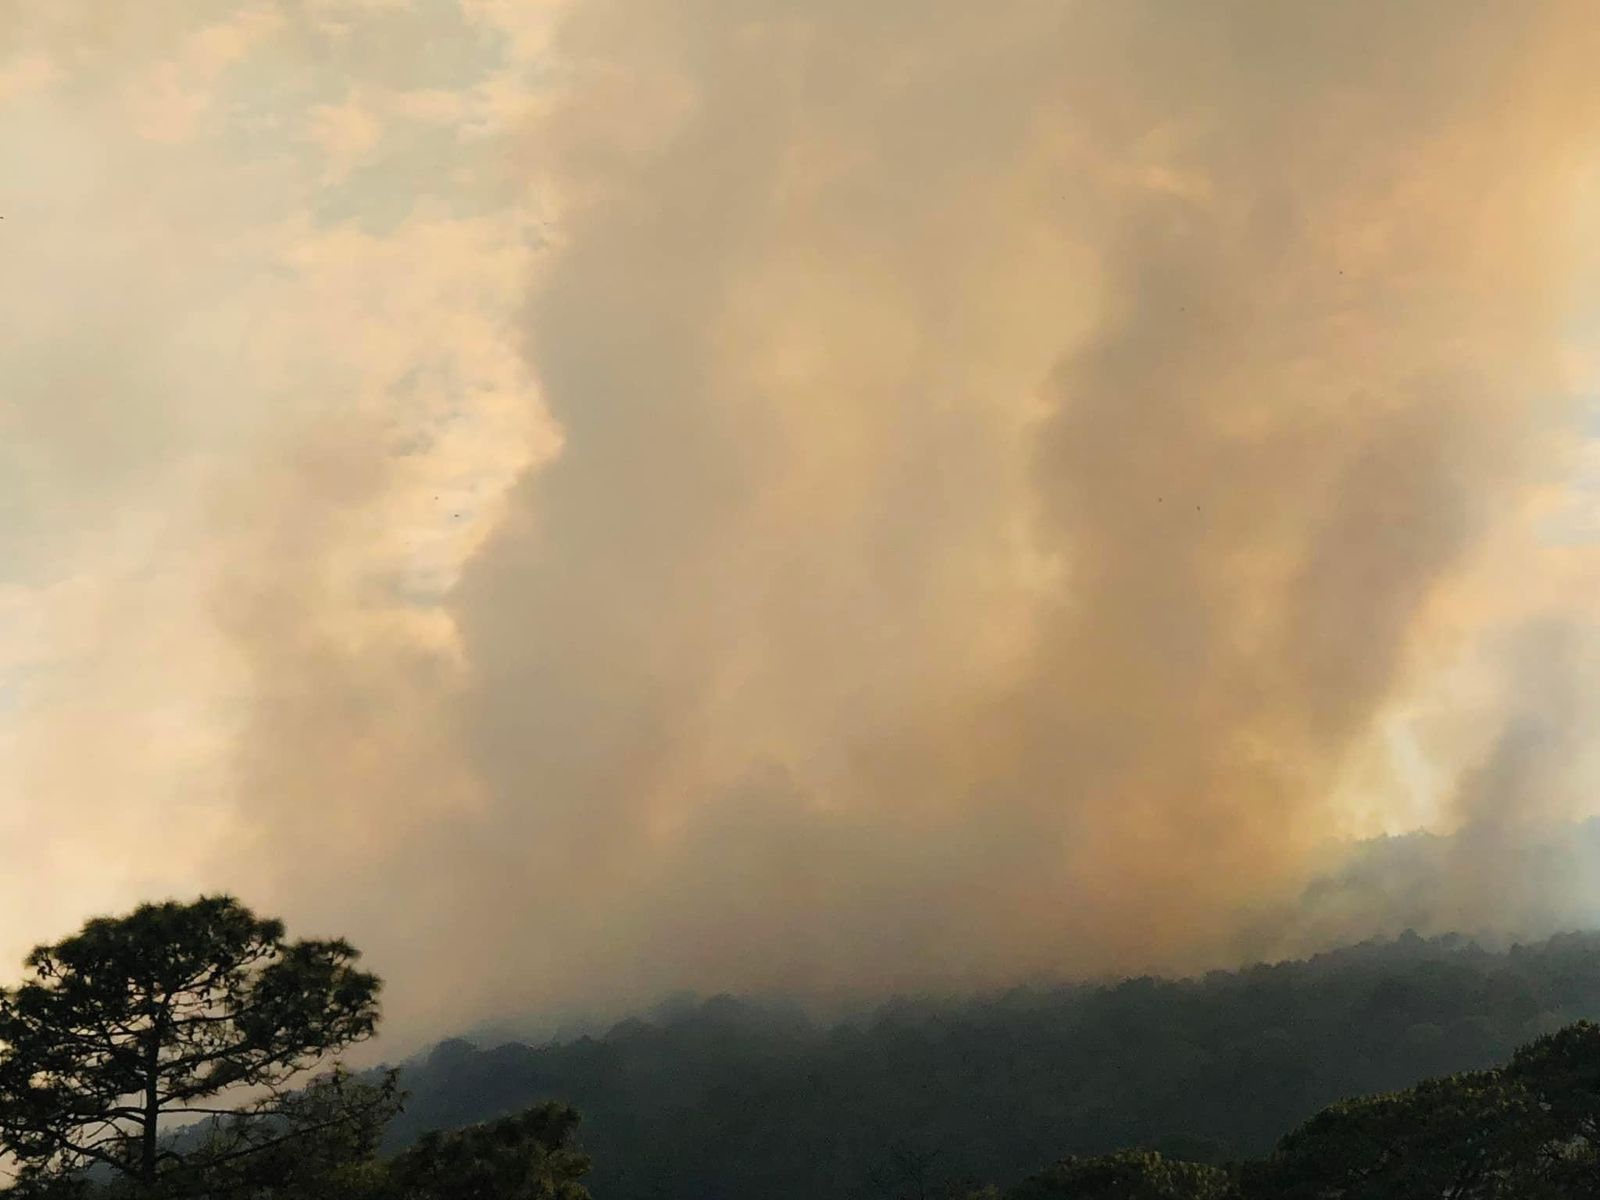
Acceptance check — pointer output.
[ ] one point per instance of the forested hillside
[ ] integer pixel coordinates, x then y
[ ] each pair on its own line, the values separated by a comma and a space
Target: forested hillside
730, 1099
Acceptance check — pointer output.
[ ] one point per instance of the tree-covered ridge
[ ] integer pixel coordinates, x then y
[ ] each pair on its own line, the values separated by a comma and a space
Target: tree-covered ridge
729, 1099
1524, 1131
189, 1052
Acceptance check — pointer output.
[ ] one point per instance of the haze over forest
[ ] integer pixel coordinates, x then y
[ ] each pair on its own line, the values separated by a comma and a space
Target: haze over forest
593, 498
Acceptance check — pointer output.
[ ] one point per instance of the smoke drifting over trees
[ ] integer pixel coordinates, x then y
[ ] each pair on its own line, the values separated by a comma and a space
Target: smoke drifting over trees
987, 492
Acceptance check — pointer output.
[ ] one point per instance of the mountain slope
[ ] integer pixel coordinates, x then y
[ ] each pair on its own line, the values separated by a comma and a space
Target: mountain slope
730, 1099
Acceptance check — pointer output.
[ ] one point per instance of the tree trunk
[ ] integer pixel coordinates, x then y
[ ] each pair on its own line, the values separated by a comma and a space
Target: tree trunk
152, 1106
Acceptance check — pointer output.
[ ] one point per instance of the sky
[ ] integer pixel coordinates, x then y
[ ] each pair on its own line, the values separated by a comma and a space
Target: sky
590, 498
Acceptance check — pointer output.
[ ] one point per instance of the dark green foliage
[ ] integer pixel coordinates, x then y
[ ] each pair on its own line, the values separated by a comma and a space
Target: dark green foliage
725, 1100
1562, 1070
1526, 1131
1522, 1132
908, 1173
202, 1010
171, 1013
530, 1156
169, 1054
1126, 1175
1472, 1135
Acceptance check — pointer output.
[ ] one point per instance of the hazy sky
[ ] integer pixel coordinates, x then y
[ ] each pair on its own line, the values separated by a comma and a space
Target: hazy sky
597, 497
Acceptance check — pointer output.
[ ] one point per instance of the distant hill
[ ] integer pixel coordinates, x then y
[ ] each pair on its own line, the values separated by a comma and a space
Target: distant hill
728, 1099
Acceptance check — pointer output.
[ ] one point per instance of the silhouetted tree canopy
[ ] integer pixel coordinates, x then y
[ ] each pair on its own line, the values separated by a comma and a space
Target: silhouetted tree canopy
173, 1013
324, 1147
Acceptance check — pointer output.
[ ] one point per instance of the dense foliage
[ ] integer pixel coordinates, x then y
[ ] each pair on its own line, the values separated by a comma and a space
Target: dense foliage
526, 1156
177, 1053
1126, 1175
1525, 1131
723, 1100
171, 1013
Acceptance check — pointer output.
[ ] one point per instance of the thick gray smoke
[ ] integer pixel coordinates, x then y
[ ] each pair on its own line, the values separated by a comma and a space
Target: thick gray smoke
1009, 459
970, 490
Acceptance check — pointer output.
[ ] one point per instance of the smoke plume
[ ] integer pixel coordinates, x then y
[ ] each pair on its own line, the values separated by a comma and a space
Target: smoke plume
989, 488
